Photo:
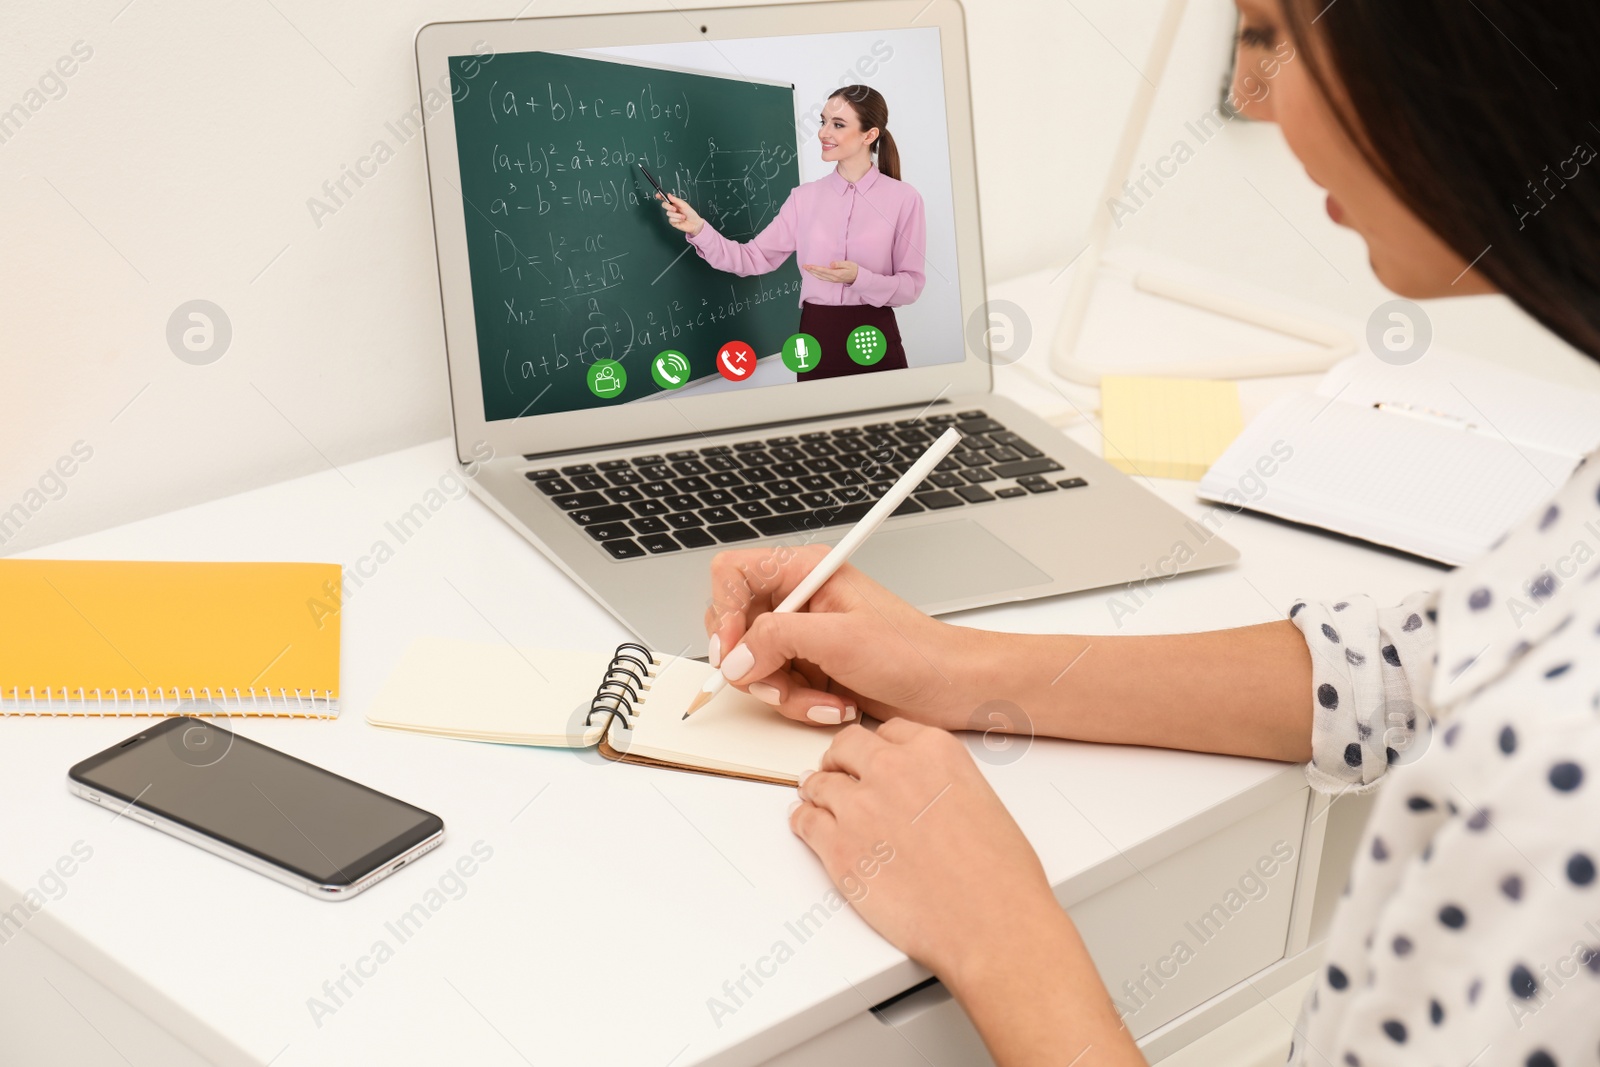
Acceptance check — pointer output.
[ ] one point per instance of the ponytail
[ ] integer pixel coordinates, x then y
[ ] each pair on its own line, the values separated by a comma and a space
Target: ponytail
872, 112
888, 155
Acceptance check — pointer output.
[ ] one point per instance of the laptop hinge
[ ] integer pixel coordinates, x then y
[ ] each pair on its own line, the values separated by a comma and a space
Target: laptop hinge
747, 428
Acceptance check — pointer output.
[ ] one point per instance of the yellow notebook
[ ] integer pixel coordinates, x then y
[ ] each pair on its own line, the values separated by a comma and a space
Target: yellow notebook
1167, 427
89, 637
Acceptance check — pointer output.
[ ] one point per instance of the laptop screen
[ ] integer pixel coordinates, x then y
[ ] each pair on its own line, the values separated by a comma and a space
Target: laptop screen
652, 222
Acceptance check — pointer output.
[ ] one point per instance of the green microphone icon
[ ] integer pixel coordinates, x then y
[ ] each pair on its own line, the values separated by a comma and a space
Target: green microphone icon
801, 353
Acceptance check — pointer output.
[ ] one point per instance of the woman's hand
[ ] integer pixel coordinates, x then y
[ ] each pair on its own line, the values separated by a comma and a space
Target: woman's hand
840, 270
911, 834
681, 215
854, 647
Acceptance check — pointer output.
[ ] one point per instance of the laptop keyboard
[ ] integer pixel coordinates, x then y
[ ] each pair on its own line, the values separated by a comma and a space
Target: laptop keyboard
722, 494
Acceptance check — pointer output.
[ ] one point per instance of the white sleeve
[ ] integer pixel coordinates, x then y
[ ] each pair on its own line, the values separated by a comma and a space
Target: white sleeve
1370, 672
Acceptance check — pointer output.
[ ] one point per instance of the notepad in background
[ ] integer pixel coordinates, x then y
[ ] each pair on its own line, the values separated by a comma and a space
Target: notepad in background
1439, 458
92, 637
1167, 427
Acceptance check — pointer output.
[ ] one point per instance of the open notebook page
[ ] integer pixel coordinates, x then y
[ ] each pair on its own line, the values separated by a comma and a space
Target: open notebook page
1500, 403
532, 696
735, 732
483, 692
1434, 490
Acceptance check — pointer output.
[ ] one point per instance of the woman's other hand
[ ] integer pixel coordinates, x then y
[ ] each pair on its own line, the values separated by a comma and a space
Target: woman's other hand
840, 270
681, 215
854, 647
912, 835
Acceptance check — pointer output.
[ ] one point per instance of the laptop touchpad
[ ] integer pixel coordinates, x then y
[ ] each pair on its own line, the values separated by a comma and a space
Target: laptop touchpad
945, 561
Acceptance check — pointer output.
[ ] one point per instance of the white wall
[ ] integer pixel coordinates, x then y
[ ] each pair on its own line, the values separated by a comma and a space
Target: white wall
178, 165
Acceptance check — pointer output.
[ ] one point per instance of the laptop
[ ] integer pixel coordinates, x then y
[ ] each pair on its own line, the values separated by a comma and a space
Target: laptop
633, 400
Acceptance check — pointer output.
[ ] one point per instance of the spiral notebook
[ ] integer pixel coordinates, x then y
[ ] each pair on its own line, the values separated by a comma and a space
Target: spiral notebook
628, 705
107, 637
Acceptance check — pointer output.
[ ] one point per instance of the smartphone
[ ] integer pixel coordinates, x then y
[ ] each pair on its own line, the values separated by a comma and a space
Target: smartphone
263, 809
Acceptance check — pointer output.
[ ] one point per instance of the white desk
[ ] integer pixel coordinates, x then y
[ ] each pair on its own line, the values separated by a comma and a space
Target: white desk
617, 899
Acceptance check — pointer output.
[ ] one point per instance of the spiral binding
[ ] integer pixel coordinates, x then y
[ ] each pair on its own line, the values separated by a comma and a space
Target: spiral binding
156, 700
623, 686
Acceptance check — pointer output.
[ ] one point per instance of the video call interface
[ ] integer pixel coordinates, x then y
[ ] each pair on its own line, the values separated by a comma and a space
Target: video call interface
805, 266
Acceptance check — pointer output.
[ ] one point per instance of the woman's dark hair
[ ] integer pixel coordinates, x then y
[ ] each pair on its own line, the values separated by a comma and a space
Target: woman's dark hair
1480, 117
872, 110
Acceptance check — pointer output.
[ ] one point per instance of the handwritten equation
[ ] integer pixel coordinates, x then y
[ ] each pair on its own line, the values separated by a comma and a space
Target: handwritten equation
572, 257
560, 104
733, 189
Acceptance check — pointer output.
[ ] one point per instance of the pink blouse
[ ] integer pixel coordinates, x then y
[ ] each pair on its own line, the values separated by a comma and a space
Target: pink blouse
876, 222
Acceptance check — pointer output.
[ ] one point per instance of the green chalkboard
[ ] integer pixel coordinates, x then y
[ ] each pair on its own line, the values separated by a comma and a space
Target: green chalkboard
571, 260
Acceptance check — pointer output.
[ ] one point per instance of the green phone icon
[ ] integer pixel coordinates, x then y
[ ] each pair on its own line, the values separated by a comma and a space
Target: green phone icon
670, 369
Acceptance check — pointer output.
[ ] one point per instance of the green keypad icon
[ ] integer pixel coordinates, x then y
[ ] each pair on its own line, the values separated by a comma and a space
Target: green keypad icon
866, 345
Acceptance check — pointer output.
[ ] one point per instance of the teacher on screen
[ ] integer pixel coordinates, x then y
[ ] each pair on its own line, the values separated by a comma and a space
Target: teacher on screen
859, 234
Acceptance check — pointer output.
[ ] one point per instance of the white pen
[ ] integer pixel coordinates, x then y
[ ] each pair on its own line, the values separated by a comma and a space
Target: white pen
1425, 414
897, 494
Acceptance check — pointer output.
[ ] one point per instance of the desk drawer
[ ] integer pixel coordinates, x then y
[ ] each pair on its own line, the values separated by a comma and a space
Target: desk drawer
55, 1012
1200, 921
1165, 939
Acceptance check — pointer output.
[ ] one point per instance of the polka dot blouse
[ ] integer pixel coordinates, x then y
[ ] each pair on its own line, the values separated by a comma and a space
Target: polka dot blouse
1469, 933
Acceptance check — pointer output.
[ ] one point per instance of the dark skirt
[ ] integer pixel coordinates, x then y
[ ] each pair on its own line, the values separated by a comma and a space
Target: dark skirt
830, 324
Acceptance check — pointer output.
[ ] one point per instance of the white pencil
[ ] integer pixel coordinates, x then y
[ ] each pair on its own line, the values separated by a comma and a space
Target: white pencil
851, 541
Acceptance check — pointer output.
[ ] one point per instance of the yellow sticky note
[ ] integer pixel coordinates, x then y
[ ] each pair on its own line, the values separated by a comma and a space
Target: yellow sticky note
1167, 427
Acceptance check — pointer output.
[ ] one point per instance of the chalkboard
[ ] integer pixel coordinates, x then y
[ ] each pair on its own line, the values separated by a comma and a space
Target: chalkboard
573, 262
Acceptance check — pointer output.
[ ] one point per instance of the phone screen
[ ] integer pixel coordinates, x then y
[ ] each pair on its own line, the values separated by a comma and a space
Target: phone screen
281, 809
